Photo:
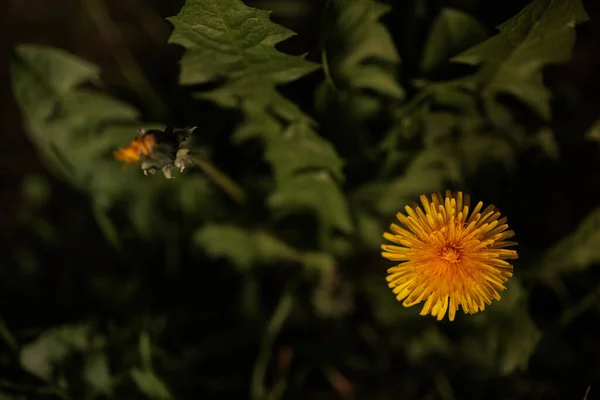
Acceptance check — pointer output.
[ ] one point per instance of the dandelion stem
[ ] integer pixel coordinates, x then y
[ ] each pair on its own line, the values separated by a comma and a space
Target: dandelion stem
231, 188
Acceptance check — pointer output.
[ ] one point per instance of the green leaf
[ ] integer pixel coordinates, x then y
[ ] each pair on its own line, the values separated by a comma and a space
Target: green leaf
150, 384
478, 150
359, 52
234, 45
242, 247
301, 149
74, 129
41, 356
386, 309
225, 39
452, 32
428, 343
594, 132
35, 190
512, 61
96, 373
230, 242
320, 262
576, 251
314, 192
504, 337
271, 250
370, 229
432, 170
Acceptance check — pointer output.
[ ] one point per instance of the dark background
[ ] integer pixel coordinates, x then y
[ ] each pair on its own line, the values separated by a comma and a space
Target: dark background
132, 35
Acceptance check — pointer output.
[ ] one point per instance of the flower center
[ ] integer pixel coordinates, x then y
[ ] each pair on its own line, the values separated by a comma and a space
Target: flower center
450, 254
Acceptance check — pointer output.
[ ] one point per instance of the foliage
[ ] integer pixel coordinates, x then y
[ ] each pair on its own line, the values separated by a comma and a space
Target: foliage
256, 271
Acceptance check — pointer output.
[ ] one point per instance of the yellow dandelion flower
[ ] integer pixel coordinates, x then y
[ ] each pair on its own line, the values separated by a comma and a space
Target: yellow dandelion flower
448, 258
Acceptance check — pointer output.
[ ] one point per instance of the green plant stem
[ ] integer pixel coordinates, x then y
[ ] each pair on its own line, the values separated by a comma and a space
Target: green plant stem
280, 315
107, 227
414, 103
326, 71
145, 351
587, 302
8, 337
324, 58
231, 188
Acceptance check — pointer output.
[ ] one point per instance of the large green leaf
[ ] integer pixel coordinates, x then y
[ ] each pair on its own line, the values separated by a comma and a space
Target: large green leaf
314, 191
512, 61
150, 384
74, 129
359, 52
452, 32
47, 356
225, 39
245, 248
41, 356
242, 247
300, 149
234, 45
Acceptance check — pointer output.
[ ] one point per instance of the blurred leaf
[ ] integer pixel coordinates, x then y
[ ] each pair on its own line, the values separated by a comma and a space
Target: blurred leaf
451, 95
431, 170
429, 342
71, 127
50, 348
196, 194
300, 149
74, 129
35, 189
230, 242
333, 299
594, 132
576, 251
359, 52
370, 228
504, 336
270, 249
150, 384
452, 31
518, 343
547, 141
9, 396
439, 126
512, 61
229, 40
484, 149
96, 373
319, 262
241, 247
314, 192
386, 309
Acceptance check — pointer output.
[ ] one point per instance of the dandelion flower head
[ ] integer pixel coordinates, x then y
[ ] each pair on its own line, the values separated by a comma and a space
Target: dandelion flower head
449, 255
